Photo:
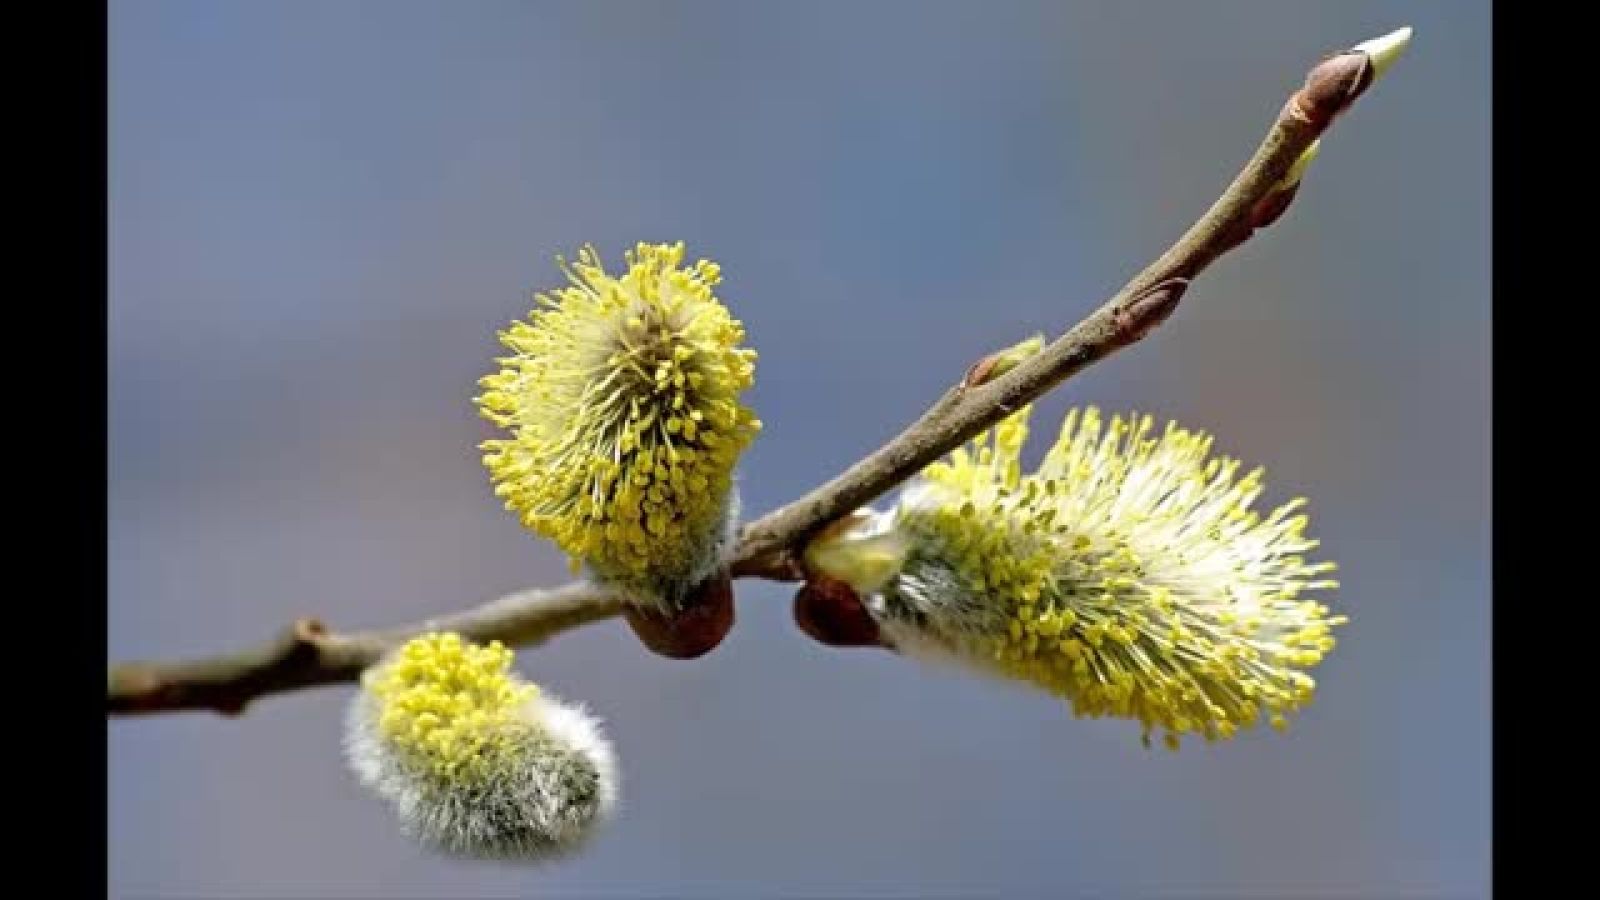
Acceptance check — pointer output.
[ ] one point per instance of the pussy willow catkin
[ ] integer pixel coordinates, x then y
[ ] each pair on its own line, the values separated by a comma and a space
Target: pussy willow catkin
1128, 575
621, 394
475, 761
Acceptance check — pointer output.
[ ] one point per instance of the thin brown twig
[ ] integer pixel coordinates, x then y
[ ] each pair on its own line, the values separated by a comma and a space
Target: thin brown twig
307, 654
770, 547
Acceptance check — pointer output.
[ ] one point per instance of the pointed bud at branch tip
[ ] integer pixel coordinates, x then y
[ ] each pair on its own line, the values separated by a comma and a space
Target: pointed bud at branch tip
1336, 82
1385, 50
996, 364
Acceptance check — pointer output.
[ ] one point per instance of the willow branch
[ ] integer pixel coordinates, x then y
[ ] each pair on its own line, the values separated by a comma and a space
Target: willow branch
307, 654
1254, 200
770, 547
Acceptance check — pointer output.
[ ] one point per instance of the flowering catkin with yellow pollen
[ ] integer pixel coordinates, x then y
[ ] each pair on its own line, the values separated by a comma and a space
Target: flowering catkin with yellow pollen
622, 397
474, 760
1128, 575
448, 705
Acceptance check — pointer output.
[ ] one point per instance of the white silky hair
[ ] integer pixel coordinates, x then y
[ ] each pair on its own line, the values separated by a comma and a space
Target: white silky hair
546, 795
926, 611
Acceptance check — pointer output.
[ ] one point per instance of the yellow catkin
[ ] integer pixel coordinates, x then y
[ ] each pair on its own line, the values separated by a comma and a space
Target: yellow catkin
1128, 575
449, 705
622, 398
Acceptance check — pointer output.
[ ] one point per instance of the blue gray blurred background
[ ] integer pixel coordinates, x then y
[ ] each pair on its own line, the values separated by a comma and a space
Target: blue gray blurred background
322, 212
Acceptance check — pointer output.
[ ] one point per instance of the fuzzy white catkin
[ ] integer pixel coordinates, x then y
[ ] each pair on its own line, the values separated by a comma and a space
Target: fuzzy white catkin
544, 796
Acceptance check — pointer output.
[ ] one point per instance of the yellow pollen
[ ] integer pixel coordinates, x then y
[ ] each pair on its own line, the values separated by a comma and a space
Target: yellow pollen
1128, 575
448, 704
622, 399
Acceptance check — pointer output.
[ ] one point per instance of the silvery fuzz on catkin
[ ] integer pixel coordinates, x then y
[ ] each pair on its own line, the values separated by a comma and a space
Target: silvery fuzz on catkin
474, 761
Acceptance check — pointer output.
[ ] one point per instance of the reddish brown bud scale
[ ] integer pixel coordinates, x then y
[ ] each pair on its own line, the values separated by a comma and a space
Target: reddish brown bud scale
1331, 86
1143, 313
979, 373
831, 612
695, 629
1272, 207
